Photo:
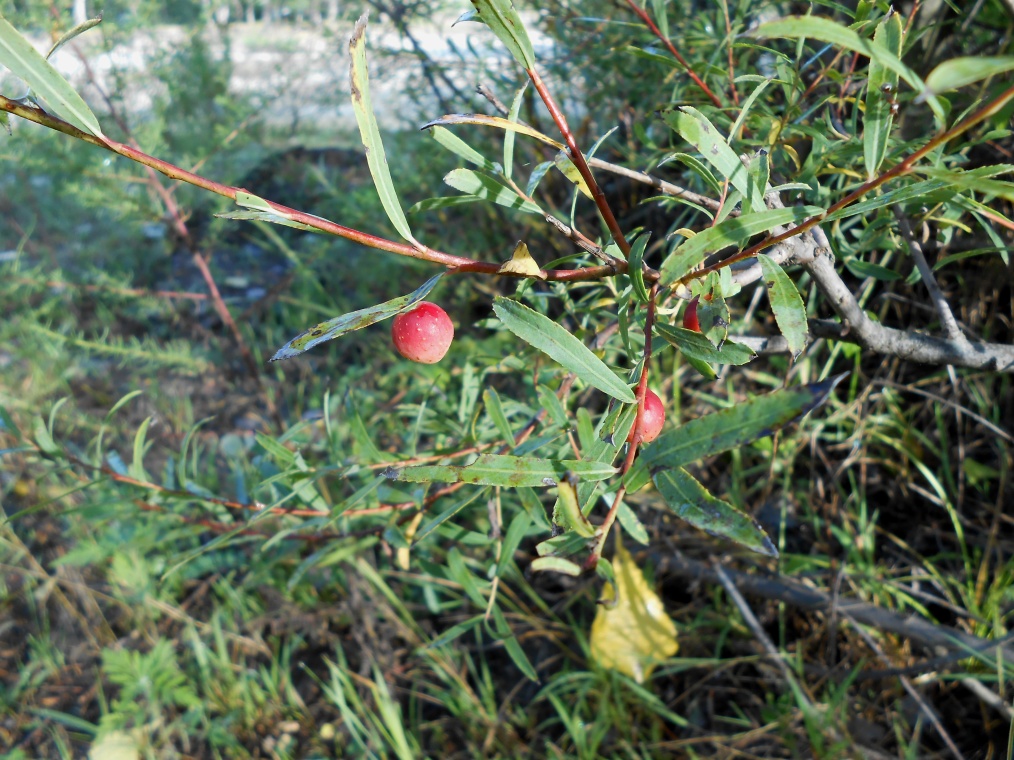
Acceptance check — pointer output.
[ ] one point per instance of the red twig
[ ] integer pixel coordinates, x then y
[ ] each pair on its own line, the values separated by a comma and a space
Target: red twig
459, 263
579, 161
643, 15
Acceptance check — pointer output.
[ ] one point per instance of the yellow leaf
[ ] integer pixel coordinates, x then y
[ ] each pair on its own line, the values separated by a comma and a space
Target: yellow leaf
565, 165
522, 264
634, 635
115, 745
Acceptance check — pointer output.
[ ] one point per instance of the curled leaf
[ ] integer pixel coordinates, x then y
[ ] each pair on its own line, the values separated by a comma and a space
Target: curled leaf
522, 264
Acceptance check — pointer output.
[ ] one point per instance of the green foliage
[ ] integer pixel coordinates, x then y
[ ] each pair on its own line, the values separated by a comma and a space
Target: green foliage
355, 530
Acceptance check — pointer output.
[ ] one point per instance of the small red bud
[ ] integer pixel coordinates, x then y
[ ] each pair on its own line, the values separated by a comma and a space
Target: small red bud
690, 316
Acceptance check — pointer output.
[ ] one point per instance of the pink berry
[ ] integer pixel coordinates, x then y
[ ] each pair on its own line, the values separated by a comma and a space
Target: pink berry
423, 334
690, 321
652, 418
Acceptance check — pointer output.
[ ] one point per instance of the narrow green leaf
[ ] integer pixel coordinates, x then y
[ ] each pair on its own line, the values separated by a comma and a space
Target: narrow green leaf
745, 108
512, 539
81, 28
736, 426
696, 129
454, 632
880, 91
494, 121
446, 201
55, 92
488, 188
556, 565
447, 514
861, 268
734, 231
695, 345
496, 413
630, 521
786, 303
369, 131
266, 216
43, 438
508, 139
504, 21
549, 402
689, 500
367, 448
635, 268
825, 30
697, 166
356, 320
137, 465
661, 17
959, 72
503, 470
552, 339
459, 147
7, 423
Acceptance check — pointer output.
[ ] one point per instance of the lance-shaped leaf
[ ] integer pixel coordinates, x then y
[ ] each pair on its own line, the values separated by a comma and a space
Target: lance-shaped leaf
690, 501
506, 471
560, 345
825, 30
959, 72
696, 129
494, 121
632, 632
786, 303
697, 346
461, 148
369, 132
636, 269
883, 82
504, 21
356, 320
735, 426
60, 99
488, 188
734, 231
508, 139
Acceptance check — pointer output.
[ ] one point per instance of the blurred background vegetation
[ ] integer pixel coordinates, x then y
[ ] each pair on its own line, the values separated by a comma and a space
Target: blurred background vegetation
134, 617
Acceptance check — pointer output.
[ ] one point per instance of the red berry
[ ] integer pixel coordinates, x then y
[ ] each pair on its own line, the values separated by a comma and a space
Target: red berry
652, 418
690, 316
423, 334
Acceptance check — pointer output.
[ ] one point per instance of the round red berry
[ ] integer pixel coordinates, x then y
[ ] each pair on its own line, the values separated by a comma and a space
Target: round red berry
652, 418
423, 334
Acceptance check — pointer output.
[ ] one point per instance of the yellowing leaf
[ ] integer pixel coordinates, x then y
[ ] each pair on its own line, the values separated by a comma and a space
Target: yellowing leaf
634, 635
116, 745
566, 166
522, 264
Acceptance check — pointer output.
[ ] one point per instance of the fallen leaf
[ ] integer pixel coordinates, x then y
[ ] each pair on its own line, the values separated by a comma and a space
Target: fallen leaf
635, 634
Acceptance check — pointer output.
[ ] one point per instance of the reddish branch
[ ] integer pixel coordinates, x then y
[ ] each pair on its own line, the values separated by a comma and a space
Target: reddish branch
643, 15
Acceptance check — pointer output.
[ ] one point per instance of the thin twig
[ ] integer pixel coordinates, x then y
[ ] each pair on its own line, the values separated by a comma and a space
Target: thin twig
643, 15
947, 320
579, 161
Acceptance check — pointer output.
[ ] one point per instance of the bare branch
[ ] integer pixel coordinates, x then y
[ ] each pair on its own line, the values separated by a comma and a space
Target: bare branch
947, 320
